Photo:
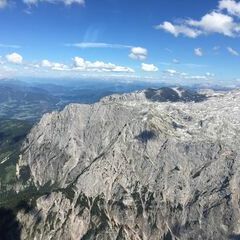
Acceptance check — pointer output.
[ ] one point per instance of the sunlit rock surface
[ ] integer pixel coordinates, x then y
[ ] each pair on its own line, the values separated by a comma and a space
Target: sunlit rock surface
146, 165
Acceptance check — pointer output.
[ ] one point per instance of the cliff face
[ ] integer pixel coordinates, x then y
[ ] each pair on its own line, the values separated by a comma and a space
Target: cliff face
131, 167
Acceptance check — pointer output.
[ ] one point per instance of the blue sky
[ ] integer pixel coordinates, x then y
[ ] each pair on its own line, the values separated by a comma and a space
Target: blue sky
167, 40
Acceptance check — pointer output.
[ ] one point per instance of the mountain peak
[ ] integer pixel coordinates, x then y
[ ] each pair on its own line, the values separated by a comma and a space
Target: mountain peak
164, 94
133, 166
175, 94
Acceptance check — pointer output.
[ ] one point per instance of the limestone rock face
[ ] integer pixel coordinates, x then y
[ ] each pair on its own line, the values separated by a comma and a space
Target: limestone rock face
133, 167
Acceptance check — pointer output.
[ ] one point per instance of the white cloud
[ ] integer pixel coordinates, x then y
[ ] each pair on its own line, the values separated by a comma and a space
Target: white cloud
81, 64
14, 58
198, 52
54, 65
232, 51
3, 3
79, 68
9, 45
66, 2
97, 45
231, 6
149, 67
171, 72
174, 74
46, 63
177, 30
138, 53
217, 21
70, 2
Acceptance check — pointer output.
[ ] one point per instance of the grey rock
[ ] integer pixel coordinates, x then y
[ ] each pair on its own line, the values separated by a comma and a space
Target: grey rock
131, 167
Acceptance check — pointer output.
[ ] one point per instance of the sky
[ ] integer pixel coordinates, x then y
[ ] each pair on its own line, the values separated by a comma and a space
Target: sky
170, 40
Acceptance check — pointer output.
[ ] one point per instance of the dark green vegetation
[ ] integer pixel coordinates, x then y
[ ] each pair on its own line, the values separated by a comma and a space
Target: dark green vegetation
11, 203
20, 101
12, 134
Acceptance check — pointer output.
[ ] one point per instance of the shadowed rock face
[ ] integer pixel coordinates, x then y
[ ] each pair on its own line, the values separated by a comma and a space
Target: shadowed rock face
146, 136
130, 167
177, 94
9, 226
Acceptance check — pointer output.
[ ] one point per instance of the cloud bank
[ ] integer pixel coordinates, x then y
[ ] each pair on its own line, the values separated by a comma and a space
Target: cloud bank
223, 20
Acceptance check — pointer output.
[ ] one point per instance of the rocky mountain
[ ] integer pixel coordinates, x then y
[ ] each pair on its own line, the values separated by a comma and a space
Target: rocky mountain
176, 94
155, 164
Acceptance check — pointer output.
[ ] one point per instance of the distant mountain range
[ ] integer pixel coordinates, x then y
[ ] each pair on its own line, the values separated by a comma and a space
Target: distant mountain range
30, 100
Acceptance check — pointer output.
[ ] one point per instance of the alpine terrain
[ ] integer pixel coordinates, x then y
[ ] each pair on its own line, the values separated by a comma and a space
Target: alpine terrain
159, 164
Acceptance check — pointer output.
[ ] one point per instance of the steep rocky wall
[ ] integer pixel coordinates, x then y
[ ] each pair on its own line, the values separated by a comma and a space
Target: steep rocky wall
130, 168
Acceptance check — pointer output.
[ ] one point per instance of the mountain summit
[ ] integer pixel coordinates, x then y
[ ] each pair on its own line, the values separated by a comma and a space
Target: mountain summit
156, 164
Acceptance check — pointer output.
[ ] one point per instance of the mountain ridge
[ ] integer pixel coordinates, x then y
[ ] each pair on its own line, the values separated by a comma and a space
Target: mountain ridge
131, 168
